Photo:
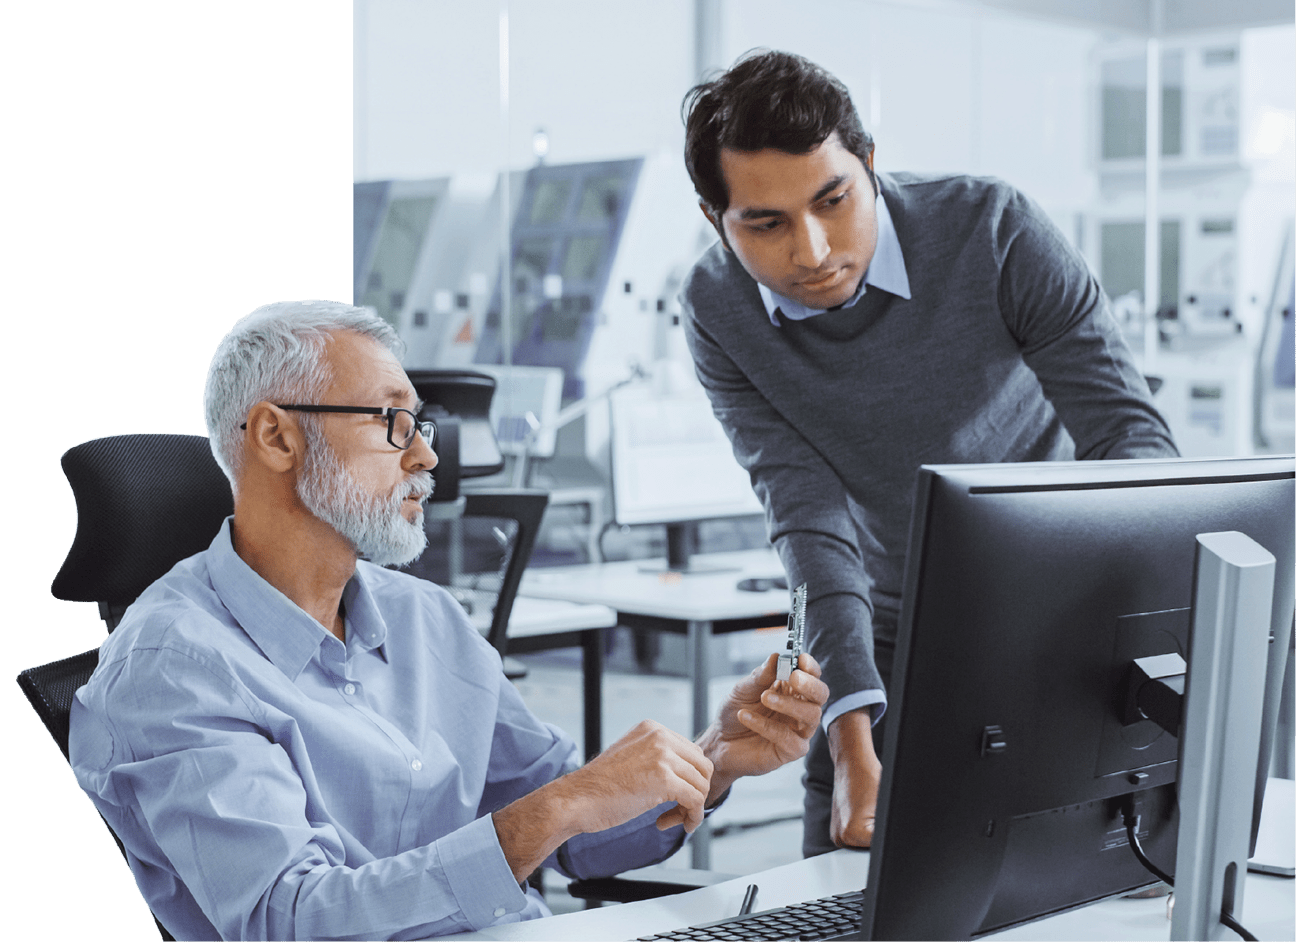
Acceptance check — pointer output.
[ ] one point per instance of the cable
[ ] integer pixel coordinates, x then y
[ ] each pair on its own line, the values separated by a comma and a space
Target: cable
1228, 920
1131, 829
1131, 818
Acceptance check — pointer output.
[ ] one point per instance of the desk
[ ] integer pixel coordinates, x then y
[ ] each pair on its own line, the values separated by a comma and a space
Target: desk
1269, 908
697, 605
546, 624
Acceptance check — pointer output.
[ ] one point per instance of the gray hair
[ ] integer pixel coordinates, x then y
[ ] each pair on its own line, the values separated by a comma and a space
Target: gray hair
276, 354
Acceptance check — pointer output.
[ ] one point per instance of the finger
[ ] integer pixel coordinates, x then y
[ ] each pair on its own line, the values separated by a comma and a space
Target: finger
803, 712
697, 776
765, 674
808, 687
689, 753
809, 665
669, 819
690, 804
787, 742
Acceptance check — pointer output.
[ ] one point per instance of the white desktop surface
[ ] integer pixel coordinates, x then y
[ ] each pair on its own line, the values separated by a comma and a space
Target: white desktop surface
707, 596
838, 872
549, 616
1269, 908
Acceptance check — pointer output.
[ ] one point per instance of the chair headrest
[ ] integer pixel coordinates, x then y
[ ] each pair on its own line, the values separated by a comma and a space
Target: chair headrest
459, 392
466, 395
144, 502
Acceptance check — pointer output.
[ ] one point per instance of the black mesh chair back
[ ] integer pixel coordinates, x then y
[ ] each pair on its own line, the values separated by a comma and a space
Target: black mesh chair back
466, 395
50, 689
481, 556
144, 502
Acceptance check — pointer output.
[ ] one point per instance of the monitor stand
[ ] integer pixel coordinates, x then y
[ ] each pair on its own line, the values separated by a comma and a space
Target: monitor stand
1220, 737
681, 542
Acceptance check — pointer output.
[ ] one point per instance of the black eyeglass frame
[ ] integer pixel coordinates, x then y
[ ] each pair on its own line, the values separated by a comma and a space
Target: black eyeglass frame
426, 427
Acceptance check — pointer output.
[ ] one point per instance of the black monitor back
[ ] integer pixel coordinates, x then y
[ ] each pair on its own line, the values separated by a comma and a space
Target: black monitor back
1028, 590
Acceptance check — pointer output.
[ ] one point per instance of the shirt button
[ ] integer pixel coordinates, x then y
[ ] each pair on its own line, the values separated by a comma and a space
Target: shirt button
349, 689
499, 911
416, 765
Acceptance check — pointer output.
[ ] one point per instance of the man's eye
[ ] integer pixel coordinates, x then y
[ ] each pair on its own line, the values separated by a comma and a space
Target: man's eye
769, 226
834, 200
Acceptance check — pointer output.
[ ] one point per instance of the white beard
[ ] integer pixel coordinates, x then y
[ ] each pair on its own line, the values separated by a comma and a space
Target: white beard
371, 523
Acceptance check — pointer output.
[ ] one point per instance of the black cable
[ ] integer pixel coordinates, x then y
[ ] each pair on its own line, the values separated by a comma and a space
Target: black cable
1228, 920
1131, 828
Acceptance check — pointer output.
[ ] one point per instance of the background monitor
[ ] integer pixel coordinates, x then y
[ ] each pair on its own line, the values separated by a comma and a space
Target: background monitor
1029, 589
525, 409
672, 463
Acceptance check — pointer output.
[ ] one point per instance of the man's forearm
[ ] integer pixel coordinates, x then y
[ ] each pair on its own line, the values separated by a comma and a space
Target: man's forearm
850, 738
533, 827
856, 776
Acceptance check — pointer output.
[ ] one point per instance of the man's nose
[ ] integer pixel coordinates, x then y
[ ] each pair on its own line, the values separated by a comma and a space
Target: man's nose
419, 456
810, 248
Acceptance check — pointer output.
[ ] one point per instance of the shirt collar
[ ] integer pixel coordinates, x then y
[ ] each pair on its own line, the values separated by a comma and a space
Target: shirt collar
284, 632
886, 271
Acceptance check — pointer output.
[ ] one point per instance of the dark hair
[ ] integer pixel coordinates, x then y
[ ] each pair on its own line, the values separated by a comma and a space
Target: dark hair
767, 100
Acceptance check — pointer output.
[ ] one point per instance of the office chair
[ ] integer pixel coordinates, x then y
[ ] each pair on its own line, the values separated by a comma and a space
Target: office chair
144, 502
466, 395
50, 689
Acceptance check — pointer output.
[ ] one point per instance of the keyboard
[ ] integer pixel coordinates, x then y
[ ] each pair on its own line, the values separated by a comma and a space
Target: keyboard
831, 917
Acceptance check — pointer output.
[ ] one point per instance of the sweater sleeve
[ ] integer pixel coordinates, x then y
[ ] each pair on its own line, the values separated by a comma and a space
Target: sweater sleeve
1060, 317
812, 521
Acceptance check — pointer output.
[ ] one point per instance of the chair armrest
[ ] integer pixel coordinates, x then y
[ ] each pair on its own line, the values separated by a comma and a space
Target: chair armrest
644, 883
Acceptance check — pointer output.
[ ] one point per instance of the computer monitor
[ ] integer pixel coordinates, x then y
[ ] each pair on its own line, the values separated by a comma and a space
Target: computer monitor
525, 408
672, 463
1029, 590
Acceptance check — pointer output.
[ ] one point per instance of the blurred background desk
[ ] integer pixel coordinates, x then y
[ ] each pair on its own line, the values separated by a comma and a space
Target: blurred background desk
546, 624
697, 605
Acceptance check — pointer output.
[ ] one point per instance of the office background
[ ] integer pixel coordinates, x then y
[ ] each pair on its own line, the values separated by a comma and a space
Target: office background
173, 166
166, 168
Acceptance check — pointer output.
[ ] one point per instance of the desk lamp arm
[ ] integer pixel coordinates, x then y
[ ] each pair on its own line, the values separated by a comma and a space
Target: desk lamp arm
565, 417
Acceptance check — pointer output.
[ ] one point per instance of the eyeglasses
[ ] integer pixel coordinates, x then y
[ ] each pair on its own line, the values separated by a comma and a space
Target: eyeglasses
402, 424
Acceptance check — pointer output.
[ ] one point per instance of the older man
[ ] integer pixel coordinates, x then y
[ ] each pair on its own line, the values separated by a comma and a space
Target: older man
294, 742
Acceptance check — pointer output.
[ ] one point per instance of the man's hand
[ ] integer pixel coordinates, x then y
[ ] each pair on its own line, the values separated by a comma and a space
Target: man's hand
648, 766
764, 723
856, 774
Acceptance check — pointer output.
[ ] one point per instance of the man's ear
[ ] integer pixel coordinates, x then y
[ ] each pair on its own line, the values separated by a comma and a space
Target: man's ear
716, 223
868, 167
273, 439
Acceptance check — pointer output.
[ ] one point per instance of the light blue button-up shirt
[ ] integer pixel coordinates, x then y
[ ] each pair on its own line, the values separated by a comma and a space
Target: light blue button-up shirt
269, 781
886, 271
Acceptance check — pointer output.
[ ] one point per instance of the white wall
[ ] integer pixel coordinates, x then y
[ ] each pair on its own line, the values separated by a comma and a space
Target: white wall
944, 86
949, 87
603, 77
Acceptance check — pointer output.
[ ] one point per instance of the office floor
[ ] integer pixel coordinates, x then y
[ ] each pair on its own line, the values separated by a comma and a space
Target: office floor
759, 826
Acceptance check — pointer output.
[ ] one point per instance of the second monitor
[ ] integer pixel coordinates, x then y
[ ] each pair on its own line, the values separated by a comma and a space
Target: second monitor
672, 464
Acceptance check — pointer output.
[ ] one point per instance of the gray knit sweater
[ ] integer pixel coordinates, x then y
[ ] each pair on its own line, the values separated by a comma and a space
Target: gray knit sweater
1007, 351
